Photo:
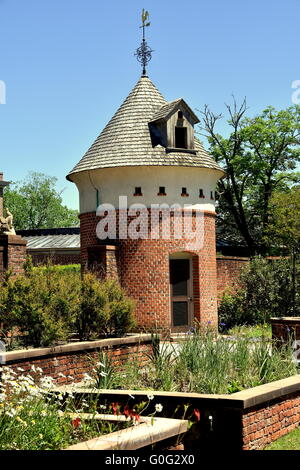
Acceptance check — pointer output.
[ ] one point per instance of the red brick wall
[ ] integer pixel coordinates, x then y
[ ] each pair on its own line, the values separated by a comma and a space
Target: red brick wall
55, 258
229, 269
265, 424
143, 267
286, 329
12, 253
76, 364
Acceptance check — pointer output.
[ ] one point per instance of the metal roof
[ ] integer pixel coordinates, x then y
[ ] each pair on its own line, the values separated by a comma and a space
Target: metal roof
58, 238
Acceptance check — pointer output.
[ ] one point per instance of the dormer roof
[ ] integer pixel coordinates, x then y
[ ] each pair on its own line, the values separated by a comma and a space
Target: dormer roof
168, 109
126, 139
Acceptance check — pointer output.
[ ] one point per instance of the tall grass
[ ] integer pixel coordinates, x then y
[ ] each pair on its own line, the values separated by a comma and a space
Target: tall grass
206, 364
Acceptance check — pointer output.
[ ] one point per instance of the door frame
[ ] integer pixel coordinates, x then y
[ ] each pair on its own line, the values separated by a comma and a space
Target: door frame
190, 295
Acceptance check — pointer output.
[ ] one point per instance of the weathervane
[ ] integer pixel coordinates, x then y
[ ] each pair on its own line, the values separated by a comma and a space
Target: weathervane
143, 53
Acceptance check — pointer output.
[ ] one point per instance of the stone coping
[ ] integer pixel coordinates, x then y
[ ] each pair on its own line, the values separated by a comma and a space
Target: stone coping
149, 431
240, 400
285, 319
27, 354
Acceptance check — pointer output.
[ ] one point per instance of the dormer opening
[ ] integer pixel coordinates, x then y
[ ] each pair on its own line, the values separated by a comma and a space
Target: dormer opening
180, 137
180, 115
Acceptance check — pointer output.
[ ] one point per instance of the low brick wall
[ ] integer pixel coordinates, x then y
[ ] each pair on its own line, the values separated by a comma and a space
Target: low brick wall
263, 425
75, 359
285, 328
246, 420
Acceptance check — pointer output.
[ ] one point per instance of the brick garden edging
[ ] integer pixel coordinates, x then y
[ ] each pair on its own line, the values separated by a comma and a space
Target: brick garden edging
74, 359
285, 328
246, 420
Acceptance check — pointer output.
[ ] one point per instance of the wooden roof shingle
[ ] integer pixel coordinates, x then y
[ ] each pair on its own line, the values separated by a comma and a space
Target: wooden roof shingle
126, 140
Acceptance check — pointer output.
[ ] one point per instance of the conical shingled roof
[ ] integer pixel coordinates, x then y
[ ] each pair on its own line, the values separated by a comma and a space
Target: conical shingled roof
126, 140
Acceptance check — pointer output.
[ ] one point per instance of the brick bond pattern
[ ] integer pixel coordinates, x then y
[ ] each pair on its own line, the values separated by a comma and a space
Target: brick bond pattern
228, 270
76, 364
286, 329
265, 424
143, 270
12, 253
55, 258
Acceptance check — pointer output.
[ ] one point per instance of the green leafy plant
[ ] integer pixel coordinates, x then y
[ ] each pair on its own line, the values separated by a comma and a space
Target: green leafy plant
265, 290
104, 373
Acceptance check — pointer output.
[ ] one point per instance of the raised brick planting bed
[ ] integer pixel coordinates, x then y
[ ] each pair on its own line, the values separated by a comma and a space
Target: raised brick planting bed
75, 359
246, 420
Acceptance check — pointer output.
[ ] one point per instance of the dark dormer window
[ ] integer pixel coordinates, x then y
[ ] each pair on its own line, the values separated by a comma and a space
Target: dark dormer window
138, 191
184, 192
162, 191
180, 115
201, 193
181, 137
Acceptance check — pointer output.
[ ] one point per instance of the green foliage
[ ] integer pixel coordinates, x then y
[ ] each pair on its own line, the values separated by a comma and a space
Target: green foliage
252, 331
92, 313
103, 373
33, 418
119, 308
290, 441
162, 357
265, 290
49, 304
204, 363
284, 225
35, 203
103, 309
260, 157
40, 305
61, 268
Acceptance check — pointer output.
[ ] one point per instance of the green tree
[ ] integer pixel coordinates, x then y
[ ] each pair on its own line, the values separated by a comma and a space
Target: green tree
260, 156
284, 229
284, 224
35, 203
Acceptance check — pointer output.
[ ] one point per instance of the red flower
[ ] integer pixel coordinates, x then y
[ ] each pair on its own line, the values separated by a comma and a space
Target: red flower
135, 415
197, 414
115, 407
126, 411
76, 423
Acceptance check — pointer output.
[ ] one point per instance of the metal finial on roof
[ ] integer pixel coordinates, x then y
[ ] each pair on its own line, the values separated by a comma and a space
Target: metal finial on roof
143, 53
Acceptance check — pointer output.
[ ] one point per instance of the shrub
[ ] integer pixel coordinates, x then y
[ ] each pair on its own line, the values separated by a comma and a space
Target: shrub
40, 305
48, 304
103, 309
120, 309
265, 291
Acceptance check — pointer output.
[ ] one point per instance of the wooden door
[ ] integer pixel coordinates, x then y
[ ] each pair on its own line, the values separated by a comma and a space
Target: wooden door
181, 292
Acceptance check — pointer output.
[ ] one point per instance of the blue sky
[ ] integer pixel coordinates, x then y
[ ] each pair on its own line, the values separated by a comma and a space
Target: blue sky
69, 64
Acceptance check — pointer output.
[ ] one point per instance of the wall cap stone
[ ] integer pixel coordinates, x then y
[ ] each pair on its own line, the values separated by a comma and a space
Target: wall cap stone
28, 354
239, 400
285, 319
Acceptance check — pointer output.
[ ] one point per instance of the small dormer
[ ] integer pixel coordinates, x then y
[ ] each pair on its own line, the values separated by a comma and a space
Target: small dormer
173, 127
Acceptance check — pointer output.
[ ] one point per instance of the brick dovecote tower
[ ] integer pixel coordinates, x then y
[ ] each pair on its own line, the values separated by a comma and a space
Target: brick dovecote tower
148, 153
